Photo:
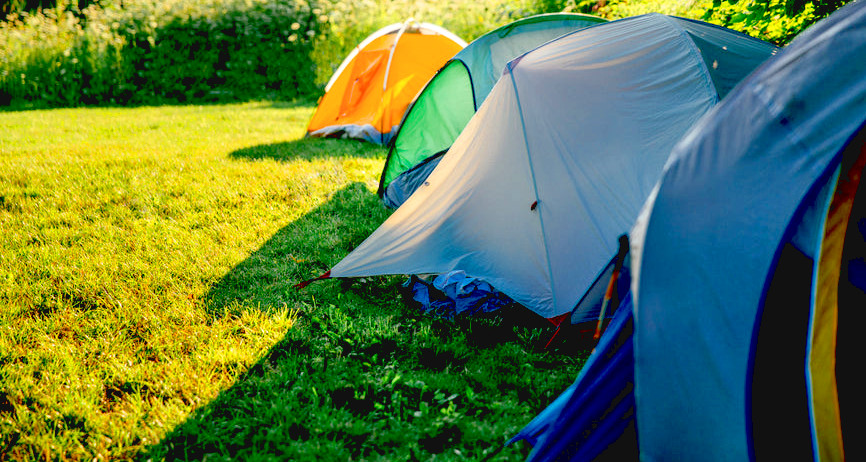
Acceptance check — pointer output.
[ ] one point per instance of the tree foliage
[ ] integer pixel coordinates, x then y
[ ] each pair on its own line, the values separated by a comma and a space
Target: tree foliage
777, 21
10, 7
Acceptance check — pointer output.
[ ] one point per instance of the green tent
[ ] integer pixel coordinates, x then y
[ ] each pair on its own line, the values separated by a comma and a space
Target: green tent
452, 96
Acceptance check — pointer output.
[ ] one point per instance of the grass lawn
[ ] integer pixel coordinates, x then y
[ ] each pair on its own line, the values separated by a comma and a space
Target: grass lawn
147, 258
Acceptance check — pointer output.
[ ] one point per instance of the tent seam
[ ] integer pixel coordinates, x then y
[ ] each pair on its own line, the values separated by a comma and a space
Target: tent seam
471, 85
510, 69
389, 29
695, 51
392, 50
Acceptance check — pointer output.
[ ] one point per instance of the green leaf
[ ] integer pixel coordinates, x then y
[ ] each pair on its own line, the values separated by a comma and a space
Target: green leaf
794, 7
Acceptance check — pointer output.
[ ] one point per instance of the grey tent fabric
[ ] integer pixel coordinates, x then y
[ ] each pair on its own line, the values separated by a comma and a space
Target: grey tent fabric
443, 108
557, 162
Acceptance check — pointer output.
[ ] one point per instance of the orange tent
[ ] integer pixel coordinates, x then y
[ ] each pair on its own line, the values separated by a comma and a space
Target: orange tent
371, 90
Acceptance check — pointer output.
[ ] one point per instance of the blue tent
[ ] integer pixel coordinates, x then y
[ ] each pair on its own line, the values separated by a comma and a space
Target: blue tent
748, 273
596, 414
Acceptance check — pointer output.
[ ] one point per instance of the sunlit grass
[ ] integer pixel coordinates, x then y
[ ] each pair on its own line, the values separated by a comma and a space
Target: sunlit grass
147, 258
115, 224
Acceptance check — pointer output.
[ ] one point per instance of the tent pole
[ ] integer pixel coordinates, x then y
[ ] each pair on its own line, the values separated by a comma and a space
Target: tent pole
388, 71
611, 286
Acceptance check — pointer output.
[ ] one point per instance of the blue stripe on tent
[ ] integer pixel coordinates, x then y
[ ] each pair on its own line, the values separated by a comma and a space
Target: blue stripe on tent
595, 412
812, 206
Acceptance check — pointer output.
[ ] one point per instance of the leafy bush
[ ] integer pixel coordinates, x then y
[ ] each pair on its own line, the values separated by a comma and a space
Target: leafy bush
152, 51
8, 7
160, 51
36, 56
777, 21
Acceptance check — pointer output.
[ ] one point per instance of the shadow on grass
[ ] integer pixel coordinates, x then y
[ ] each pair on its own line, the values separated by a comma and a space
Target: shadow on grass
310, 149
362, 375
301, 250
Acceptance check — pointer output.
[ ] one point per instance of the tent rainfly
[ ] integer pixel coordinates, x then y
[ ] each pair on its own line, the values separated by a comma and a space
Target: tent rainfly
369, 93
448, 101
749, 278
753, 249
557, 161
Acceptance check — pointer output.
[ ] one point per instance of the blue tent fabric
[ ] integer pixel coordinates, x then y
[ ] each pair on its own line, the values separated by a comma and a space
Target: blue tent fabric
592, 414
589, 307
742, 200
407, 182
483, 61
728, 201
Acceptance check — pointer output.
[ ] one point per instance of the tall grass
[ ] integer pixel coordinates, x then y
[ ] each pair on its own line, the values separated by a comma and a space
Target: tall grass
147, 258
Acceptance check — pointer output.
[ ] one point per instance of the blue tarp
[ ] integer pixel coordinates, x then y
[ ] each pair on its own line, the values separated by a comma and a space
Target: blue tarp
455, 293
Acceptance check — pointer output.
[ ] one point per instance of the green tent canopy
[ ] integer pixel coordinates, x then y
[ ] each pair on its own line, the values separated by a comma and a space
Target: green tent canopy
452, 96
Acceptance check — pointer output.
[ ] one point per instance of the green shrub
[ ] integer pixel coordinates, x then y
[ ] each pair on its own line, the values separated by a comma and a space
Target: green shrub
36, 57
161, 51
166, 51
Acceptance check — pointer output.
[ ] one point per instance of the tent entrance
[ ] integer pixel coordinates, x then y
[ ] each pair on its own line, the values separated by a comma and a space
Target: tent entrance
814, 303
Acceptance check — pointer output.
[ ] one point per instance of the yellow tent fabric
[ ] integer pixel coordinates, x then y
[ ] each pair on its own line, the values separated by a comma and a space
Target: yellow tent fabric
826, 414
373, 87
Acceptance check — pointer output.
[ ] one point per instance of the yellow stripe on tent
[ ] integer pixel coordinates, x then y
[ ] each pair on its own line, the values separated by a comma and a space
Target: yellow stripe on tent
826, 420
